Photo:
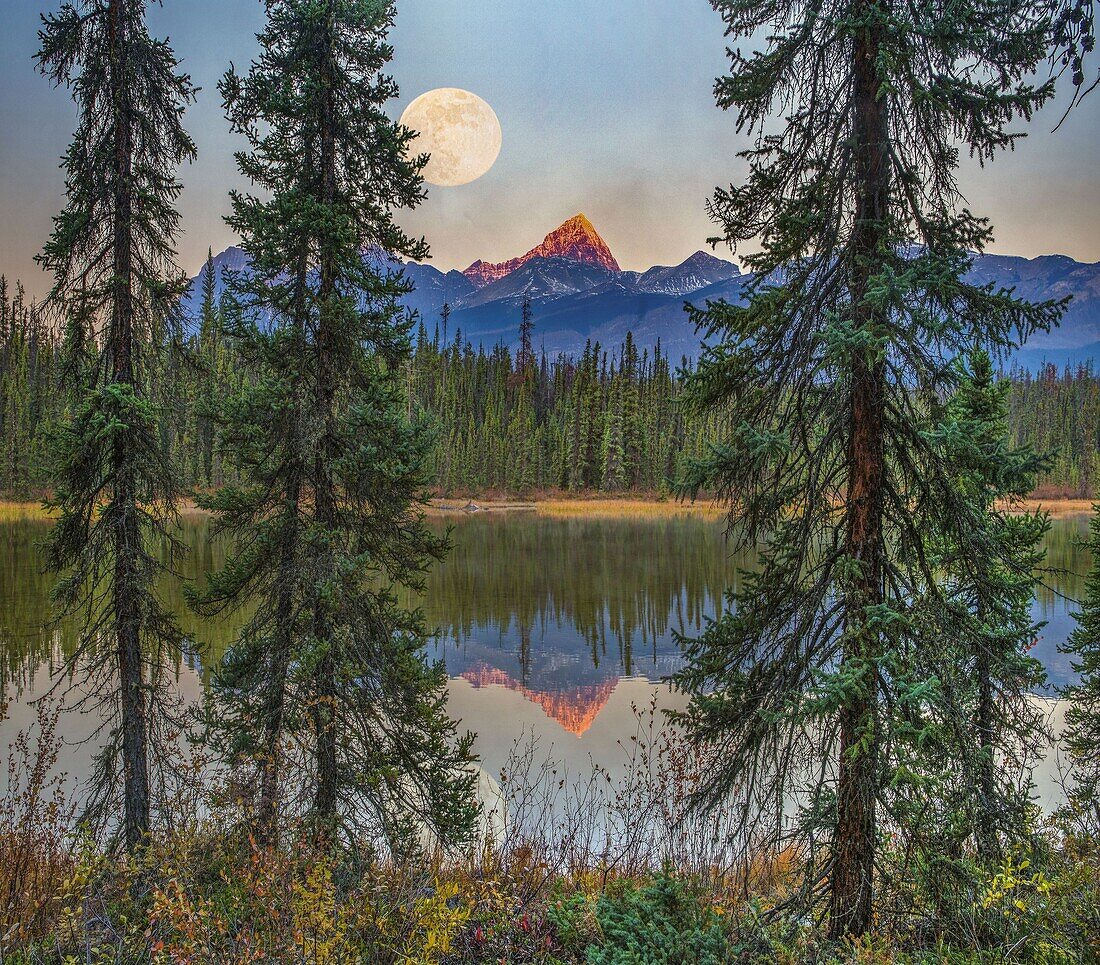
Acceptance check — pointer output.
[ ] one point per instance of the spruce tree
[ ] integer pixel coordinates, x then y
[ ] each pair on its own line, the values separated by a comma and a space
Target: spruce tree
207, 376
1082, 733
327, 522
994, 677
613, 458
525, 357
117, 285
808, 688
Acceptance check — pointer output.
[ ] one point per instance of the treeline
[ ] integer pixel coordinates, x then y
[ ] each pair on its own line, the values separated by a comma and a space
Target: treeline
1057, 411
508, 422
30, 377
520, 422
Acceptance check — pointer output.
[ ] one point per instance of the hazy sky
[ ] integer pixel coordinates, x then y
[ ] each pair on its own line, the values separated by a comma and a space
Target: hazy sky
605, 105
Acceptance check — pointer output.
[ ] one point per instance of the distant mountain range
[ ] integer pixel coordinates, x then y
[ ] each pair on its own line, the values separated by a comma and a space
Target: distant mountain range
578, 293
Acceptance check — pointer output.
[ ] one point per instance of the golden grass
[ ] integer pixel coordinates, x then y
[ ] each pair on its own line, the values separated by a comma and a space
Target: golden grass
1059, 507
457, 507
12, 512
573, 507
628, 508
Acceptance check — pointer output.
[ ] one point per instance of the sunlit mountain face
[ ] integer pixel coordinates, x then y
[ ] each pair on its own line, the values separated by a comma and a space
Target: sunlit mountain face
576, 240
578, 292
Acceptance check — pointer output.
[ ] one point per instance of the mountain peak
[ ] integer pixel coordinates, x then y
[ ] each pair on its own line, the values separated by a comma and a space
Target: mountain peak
576, 239
579, 221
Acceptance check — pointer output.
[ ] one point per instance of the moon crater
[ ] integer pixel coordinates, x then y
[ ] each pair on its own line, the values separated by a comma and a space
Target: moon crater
459, 131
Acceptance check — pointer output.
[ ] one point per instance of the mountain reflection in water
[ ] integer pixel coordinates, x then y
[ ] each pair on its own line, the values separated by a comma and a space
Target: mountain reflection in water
543, 624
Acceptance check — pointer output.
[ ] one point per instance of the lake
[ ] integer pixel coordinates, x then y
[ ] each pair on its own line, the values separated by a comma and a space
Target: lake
554, 630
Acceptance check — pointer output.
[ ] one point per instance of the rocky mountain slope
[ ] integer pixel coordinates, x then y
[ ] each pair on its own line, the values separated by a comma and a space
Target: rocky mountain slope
575, 240
579, 292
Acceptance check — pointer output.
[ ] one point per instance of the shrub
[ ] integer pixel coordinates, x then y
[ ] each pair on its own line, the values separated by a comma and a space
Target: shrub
34, 847
661, 923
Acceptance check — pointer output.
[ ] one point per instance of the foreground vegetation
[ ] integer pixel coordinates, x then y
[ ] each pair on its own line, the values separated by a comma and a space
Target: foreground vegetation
594, 870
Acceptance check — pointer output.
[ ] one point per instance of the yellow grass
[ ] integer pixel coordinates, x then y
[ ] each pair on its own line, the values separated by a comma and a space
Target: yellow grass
565, 507
1059, 507
459, 507
574, 507
627, 507
11, 512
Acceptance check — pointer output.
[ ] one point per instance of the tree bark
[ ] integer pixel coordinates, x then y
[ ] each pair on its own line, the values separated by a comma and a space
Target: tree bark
986, 833
854, 847
127, 587
324, 495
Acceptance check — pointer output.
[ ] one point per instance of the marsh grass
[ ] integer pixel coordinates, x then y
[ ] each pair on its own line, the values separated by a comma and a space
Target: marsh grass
628, 508
15, 512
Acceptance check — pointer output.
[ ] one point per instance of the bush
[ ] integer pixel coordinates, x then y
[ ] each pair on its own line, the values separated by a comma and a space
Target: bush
659, 924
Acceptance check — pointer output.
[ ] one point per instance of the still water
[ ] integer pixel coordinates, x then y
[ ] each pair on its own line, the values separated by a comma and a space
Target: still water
554, 630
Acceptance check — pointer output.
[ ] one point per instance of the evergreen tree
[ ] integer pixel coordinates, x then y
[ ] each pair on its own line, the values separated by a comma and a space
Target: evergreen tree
328, 524
1082, 733
116, 281
993, 594
856, 310
207, 375
525, 358
613, 450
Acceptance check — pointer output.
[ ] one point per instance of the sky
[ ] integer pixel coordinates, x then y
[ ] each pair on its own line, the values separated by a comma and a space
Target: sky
606, 108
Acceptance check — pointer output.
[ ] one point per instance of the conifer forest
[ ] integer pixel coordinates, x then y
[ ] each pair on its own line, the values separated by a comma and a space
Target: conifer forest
503, 422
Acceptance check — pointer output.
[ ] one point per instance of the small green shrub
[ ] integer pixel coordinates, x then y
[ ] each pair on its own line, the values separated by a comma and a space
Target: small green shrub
661, 923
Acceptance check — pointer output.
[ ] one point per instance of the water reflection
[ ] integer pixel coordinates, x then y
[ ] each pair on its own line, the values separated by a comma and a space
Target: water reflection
560, 610
551, 625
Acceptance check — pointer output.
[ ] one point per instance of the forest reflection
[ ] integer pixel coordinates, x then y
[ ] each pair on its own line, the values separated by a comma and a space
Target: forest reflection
559, 610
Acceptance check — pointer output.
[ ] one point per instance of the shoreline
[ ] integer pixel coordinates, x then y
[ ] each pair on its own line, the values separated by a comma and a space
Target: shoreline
566, 507
595, 506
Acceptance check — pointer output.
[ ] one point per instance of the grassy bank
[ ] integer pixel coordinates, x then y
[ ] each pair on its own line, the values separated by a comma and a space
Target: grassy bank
580, 506
564, 506
14, 510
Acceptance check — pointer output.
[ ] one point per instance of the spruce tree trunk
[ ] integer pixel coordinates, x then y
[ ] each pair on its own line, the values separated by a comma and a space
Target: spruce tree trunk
324, 496
854, 858
127, 588
275, 709
986, 836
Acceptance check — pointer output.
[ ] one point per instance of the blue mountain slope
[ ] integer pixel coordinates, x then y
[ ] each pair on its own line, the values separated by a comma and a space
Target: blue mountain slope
574, 301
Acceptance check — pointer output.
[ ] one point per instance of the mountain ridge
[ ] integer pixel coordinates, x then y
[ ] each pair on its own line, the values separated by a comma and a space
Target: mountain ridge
590, 298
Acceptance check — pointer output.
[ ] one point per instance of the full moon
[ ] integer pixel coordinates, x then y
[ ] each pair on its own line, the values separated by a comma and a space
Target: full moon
460, 132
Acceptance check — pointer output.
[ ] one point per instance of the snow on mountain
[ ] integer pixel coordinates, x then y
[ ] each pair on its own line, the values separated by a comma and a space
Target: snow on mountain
698, 271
